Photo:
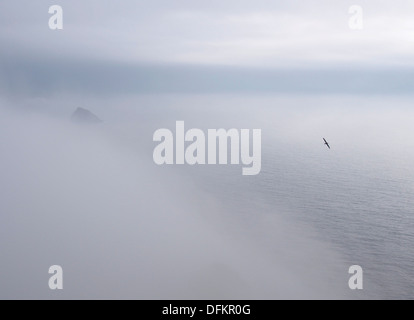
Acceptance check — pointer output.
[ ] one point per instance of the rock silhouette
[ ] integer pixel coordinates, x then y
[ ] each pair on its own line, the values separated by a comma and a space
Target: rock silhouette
83, 116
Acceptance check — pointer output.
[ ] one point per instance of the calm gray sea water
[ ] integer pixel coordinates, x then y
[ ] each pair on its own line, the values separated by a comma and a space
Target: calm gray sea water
93, 201
357, 197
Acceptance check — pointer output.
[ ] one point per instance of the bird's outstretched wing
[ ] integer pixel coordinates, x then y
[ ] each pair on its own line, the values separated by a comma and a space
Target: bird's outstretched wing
326, 142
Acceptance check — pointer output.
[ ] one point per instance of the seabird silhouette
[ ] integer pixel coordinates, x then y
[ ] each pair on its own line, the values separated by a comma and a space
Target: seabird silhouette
327, 144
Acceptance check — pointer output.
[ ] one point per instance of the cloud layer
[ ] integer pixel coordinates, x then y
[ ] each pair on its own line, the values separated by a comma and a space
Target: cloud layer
237, 33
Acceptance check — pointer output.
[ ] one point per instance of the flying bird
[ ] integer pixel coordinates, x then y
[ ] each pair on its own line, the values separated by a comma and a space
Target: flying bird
327, 144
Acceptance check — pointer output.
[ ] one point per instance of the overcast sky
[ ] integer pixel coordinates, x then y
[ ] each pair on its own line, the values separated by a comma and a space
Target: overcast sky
265, 34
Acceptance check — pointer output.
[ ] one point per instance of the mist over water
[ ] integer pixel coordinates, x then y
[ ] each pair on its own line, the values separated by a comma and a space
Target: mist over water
90, 198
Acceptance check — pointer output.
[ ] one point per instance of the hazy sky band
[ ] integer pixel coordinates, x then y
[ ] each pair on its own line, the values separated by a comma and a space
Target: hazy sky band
41, 77
188, 46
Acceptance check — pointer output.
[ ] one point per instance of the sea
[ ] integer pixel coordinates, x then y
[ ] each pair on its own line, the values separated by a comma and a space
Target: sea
91, 198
